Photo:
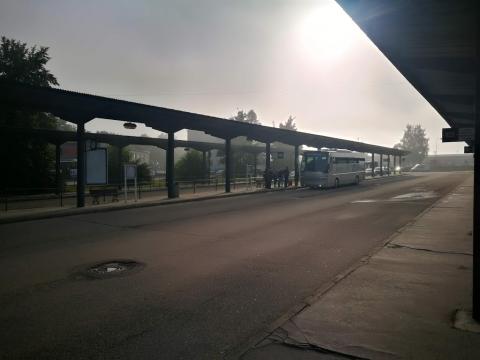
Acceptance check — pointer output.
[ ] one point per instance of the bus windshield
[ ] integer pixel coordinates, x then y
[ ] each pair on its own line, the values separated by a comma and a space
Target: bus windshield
316, 162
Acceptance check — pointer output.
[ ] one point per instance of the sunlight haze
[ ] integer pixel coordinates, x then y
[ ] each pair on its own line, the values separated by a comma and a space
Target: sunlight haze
301, 58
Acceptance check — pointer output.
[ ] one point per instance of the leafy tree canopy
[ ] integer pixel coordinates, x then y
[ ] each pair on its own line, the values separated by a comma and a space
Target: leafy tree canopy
64, 125
289, 124
247, 117
190, 166
23, 64
29, 161
415, 141
115, 170
20, 63
143, 172
241, 159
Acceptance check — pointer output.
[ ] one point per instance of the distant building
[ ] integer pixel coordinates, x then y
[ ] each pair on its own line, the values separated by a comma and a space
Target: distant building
282, 156
216, 161
140, 153
448, 162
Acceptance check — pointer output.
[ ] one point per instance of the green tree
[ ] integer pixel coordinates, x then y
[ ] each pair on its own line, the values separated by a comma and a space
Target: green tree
415, 141
190, 166
240, 160
247, 117
252, 117
26, 65
29, 162
289, 124
115, 174
240, 157
144, 173
64, 125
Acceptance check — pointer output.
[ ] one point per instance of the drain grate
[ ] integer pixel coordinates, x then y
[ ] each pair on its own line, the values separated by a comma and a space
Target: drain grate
109, 269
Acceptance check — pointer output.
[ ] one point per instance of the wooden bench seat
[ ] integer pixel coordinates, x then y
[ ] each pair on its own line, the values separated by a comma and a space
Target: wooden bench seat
103, 190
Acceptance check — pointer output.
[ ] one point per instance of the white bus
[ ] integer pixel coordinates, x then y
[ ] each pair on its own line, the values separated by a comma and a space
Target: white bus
332, 168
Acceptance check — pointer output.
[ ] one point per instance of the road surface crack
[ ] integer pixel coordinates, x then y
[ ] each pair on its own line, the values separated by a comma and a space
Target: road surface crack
282, 337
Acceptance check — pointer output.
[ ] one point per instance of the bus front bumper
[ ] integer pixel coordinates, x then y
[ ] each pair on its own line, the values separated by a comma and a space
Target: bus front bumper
317, 182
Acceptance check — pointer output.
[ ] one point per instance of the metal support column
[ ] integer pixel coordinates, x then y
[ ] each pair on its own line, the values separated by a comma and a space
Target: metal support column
381, 164
297, 170
476, 190
170, 168
120, 168
388, 165
209, 161
268, 184
228, 164
81, 164
57, 168
373, 164
255, 156
204, 163
394, 164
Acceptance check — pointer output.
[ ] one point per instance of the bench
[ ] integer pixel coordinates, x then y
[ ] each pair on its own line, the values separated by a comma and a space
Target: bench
259, 183
103, 190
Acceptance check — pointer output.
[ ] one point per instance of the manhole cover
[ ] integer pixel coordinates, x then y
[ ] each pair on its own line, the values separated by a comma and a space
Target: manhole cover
109, 269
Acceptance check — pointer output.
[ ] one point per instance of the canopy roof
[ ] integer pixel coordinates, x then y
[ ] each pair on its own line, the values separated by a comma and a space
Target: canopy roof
432, 43
80, 108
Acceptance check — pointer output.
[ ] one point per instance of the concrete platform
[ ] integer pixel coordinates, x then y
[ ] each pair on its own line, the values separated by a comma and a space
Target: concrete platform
400, 304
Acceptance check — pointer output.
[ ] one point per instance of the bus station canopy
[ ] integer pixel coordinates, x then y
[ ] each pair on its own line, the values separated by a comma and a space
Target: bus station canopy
59, 137
80, 108
432, 43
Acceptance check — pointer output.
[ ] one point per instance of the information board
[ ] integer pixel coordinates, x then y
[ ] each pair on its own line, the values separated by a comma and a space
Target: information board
130, 171
96, 167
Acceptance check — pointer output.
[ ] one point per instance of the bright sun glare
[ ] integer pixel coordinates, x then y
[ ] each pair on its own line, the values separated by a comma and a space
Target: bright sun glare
326, 33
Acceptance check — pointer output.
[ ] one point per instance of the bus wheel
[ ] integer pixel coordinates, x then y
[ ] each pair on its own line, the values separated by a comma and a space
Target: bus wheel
357, 180
337, 183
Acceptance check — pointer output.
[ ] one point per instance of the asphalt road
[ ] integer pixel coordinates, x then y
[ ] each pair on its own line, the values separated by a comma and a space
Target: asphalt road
217, 273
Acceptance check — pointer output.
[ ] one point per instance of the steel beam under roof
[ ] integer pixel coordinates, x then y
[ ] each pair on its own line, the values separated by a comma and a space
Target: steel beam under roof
80, 108
59, 137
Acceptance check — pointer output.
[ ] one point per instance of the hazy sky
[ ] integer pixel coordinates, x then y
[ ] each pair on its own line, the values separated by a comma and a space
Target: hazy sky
303, 58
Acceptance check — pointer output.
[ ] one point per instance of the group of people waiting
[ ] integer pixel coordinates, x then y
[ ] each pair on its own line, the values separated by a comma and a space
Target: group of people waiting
278, 178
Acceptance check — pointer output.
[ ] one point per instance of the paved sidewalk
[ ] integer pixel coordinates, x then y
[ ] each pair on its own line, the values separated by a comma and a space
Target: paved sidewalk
50, 212
398, 304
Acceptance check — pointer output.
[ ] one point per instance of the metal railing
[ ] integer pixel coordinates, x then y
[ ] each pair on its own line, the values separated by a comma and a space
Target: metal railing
52, 197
